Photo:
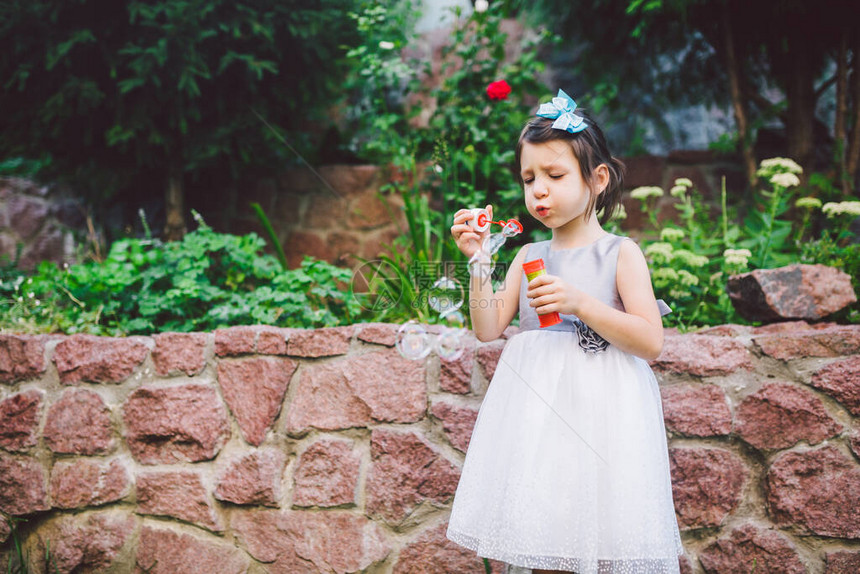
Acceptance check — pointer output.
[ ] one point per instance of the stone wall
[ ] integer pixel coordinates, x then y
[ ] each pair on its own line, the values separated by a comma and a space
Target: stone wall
347, 216
256, 449
41, 222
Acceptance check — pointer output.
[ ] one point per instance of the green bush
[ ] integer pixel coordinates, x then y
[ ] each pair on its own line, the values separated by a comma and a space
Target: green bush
206, 281
692, 261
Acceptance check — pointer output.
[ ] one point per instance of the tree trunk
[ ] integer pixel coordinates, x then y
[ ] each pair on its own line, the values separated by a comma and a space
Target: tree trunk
738, 103
840, 141
853, 159
800, 96
174, 205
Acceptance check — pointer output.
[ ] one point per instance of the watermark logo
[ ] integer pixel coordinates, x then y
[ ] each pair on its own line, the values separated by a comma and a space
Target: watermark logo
377, 285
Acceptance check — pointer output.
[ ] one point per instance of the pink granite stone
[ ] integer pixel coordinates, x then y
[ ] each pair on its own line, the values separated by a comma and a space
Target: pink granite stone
253, 478
163, 551
378, 333
488, 358
779, 415
707, 485
178, 494
457, 423
696, 410
82, 482
254, 390
187, 423
273, 340
842, 562
79, 423
841, 380
235, 341
302, 541
353, 392
432, 553
22, 357
702, 355
817, 491
98, 359
796, 291
406, 470
327, 474
751, 549
320, 342
179, 353
831, 342
19, 420
90, 542
22, 486
456, 376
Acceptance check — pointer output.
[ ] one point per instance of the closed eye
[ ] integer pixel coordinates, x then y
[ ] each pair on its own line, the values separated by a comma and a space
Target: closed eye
559, 176
528, 180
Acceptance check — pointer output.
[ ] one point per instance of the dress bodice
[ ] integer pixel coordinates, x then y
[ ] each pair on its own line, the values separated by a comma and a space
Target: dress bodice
590, 268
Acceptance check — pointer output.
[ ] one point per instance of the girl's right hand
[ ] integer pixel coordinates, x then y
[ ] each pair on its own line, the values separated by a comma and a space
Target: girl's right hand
468, 240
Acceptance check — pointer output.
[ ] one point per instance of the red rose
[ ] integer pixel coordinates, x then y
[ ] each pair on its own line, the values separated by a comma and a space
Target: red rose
498, 90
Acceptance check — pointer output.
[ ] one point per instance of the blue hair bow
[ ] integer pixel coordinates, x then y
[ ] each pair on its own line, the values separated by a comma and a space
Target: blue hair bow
561, 109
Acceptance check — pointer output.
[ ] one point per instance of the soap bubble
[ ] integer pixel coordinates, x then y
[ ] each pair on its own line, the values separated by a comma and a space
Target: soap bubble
413, 342
446, 296
493, 243
511, 228
449, 344
455, 318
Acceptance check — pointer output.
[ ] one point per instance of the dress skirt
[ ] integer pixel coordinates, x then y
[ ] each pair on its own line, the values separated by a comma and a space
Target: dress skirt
568, 467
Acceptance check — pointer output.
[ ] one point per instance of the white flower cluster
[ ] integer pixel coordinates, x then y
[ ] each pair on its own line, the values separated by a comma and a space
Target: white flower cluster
778, 165
644, 192
689, 258
660, 253
808, 203
679, 190
671, 234
738, 257
833, 209
785, 179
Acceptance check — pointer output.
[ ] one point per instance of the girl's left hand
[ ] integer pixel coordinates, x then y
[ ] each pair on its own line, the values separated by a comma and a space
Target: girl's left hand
549, 293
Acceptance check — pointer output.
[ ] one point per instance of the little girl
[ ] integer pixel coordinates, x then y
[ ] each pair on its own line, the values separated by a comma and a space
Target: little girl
568, 468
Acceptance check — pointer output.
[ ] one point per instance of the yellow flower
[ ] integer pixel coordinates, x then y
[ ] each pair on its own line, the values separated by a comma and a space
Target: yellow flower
684, 182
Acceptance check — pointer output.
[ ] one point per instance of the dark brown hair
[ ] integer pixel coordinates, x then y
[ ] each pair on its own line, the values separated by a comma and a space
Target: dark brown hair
590, 149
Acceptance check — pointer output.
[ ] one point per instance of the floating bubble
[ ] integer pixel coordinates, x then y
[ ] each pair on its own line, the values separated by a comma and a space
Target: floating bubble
511, 228
446, 296
456, 318
413, 342
449, 344
493, 243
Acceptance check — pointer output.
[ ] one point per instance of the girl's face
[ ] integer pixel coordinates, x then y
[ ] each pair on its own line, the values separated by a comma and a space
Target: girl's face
555, 192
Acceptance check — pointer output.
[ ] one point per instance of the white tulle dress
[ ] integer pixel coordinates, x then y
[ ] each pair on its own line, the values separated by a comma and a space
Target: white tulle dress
568, 466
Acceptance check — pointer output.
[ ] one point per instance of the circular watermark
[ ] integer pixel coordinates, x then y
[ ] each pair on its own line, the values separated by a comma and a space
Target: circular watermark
377, 285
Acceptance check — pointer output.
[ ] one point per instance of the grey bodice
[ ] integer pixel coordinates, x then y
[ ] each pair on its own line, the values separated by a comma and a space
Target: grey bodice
590, 268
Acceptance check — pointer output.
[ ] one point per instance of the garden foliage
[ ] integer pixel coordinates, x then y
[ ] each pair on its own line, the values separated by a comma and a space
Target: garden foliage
207, 280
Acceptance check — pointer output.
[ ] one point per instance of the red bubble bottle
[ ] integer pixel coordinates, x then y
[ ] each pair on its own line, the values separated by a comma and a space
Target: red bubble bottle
534, 269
